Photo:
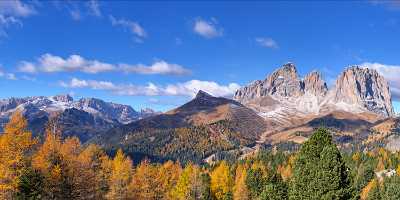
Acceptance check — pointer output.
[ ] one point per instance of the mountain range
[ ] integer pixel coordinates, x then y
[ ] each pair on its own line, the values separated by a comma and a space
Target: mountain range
83, 118
280, 111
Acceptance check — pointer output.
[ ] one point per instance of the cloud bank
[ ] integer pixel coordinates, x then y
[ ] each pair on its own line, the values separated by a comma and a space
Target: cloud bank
49, 63
189, 88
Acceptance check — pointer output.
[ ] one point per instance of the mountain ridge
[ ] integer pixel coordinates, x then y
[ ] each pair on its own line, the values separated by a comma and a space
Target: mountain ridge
83, 116
356, 90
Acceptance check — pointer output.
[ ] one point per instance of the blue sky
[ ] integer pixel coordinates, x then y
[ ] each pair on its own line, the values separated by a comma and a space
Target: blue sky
157, 54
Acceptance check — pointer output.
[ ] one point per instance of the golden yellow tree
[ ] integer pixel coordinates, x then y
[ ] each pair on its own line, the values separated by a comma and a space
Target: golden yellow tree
168, 175
120, 178
240, 190
48, 160
398, 170
287, 171
58, 161
221, 181
15, 143
144, 185
367, 189
94, 169
189, 185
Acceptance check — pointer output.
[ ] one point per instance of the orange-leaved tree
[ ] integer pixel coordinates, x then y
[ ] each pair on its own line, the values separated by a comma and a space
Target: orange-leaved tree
120, 178
15, 144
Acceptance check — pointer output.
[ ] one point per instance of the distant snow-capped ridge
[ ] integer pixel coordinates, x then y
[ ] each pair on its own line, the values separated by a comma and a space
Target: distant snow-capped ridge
106, 110
283, 95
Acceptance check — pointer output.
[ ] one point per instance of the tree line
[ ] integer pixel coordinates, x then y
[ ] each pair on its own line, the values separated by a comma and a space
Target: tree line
58, 168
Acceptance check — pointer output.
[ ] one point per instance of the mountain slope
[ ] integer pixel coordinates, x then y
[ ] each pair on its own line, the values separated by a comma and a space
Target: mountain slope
200, 128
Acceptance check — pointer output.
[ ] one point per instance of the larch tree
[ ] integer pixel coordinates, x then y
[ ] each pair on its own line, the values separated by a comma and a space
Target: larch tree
15, 143
182, 190
191, 184
144, 185
240, 190
57, 162
221, 182
91, 181
120, 178
168, 176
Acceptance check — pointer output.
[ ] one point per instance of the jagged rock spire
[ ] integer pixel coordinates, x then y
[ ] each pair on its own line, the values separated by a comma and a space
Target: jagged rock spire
360, 89
364, 87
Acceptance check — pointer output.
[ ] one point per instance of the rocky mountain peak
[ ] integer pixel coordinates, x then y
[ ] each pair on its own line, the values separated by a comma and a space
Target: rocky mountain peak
314, 84
357, 90
285, 72
202, 94
364, 87
284, 82
63, 98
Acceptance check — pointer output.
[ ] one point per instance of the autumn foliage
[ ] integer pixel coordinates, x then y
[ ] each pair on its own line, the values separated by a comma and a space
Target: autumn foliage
63, 168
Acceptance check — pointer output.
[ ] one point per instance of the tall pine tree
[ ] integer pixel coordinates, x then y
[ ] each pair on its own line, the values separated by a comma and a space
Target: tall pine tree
319, 171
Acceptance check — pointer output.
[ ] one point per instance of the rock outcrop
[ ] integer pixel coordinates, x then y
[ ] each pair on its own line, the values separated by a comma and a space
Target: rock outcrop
357, 90
314, 84
284, 82
366, 88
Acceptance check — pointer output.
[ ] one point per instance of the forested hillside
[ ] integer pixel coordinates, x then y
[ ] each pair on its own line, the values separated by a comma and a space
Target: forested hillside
65, 169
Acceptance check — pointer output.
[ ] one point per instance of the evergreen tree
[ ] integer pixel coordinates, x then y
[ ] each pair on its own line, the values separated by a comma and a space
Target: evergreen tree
206, 189
30, 185
275, 189
255, 182
391, 188
319, 171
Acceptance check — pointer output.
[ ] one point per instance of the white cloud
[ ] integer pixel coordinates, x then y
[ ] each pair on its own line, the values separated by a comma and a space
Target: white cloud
27, 67
267, 42
189, 88
6, 21
159, 67
94, 8
75, 14
207, 29
391, 74
9, 76
49, 64
132, 26
11, 12
15, 8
